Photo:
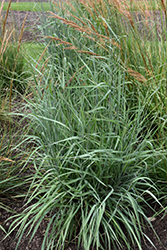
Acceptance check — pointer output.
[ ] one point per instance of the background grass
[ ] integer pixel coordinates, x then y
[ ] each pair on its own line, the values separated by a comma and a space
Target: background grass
35, 7
27, 6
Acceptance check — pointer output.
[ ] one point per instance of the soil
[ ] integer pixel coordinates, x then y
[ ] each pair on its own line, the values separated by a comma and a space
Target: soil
16, 18
9, 243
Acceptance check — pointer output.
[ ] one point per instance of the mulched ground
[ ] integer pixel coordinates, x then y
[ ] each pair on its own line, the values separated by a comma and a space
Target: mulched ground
160, 224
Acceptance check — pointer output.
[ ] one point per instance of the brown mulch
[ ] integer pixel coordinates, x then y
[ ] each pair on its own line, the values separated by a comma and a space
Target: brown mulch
16, 18
160, 225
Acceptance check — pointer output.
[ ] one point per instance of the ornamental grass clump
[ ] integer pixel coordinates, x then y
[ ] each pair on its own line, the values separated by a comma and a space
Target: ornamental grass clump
10, 70
11, 57
92, 164
12, 173
139, 35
